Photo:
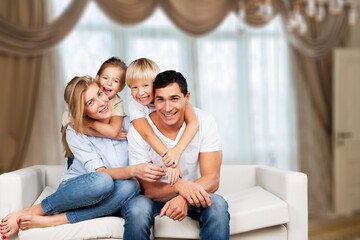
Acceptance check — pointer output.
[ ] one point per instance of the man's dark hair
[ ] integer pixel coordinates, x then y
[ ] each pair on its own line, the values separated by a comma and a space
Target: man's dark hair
165, 78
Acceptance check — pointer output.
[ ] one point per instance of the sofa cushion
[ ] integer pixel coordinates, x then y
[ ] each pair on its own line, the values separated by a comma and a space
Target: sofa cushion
104, 227
255, 208
166, 228
250, 209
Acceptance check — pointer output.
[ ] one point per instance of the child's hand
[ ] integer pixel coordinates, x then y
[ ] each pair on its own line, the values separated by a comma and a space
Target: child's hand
122, 135
171, 157
173, 174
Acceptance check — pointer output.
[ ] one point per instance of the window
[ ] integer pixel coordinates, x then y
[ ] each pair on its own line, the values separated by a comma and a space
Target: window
242, 78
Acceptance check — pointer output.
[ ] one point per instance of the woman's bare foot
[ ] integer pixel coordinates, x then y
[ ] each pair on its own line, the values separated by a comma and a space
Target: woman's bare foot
9, 224
35, 221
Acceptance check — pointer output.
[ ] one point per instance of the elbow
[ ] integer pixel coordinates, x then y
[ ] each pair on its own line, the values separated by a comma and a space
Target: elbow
150, 194
216, 186
196, 125
215, 183
113, 135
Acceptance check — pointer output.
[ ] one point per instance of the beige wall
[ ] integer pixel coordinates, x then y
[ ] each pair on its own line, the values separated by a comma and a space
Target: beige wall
355, 35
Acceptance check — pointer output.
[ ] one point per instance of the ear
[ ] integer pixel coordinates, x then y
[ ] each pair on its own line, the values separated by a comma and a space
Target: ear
187, 97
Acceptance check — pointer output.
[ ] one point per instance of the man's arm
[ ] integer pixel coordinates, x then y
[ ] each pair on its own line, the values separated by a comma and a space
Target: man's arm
210, 163
195, 193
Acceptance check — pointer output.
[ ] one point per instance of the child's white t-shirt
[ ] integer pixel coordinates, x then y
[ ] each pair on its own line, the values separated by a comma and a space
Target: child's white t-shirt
137, 110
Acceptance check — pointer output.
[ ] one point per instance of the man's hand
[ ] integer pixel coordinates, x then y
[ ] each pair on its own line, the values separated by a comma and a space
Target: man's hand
148, 172
194, 193
176, 209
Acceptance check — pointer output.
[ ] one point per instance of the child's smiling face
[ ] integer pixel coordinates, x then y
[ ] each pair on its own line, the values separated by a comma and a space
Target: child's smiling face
142, 92
110, 80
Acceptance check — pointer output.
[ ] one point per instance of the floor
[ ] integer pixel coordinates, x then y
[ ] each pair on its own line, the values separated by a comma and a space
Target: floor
336, 228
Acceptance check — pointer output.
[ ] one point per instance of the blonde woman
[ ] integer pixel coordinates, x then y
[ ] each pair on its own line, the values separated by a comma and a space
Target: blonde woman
99, 182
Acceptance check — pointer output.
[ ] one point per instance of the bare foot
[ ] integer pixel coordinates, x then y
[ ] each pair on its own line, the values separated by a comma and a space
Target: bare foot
9, 224
35, 221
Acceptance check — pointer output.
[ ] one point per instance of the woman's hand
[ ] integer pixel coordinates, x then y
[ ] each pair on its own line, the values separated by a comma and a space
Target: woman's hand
148, 171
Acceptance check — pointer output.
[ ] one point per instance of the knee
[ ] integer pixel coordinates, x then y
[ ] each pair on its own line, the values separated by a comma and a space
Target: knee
139, 207
102, 182
127, 188
219, 206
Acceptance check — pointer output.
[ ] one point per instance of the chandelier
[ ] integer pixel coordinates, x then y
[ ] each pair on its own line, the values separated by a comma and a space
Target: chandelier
300, 10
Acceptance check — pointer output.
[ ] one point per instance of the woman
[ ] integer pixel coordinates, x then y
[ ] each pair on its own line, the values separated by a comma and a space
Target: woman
99, 182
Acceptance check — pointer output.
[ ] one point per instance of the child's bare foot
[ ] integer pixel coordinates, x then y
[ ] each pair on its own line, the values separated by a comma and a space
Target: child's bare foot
35, 221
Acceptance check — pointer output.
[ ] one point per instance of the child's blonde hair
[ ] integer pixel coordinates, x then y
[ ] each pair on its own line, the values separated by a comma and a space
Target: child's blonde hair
142, 69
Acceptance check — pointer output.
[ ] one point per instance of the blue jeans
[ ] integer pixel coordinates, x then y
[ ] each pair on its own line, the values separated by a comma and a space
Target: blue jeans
139, 214
89, 196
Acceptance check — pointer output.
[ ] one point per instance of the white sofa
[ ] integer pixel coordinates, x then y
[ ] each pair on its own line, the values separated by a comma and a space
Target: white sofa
264, 203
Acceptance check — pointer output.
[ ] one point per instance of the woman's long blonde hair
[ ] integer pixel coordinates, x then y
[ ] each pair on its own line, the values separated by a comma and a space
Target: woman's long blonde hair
74, 97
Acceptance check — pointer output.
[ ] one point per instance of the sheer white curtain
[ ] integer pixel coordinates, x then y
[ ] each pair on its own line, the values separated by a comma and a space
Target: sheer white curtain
240, 77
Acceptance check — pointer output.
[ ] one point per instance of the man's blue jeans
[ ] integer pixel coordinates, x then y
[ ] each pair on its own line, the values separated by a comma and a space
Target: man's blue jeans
89, 196
139, 214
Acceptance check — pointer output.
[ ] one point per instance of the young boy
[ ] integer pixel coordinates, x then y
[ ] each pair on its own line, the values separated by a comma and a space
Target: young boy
139, 77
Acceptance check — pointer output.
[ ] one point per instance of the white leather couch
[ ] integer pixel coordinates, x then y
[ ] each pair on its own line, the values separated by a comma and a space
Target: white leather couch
264, 203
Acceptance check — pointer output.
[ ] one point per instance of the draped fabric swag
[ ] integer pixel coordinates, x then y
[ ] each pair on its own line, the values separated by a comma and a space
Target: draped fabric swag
27, 39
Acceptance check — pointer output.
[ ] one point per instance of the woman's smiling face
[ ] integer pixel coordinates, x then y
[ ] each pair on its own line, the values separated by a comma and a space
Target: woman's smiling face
97, 103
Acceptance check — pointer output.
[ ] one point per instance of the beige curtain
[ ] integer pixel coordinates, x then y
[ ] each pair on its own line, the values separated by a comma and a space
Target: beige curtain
312, 73
27, 86
26, 38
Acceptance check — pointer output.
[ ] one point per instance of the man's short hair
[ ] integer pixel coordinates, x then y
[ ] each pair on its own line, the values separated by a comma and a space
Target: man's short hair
165, 78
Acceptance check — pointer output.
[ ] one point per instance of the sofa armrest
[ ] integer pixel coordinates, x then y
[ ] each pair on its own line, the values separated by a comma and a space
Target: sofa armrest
20, 188
291, 187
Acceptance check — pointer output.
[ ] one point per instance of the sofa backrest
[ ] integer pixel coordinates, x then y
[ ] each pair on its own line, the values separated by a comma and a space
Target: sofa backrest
236, 177
53, 175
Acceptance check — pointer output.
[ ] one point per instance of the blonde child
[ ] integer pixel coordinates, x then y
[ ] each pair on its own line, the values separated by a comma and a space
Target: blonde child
139, 77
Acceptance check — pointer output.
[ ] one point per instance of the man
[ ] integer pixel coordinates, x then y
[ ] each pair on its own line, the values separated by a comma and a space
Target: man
193, 194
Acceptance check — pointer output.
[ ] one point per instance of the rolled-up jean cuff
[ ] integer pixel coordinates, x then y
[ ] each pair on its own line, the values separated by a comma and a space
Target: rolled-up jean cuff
46, 207
71, 217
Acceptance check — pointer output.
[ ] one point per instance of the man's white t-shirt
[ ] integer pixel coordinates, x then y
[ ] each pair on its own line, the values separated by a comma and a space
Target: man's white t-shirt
137, 110
207, 139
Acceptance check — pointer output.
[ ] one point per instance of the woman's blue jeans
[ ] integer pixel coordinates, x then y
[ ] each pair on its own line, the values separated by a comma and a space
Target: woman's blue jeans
139, 214
89, 196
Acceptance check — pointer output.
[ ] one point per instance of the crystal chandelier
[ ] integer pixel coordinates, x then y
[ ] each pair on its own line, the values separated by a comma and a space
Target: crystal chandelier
318, 9
300, 10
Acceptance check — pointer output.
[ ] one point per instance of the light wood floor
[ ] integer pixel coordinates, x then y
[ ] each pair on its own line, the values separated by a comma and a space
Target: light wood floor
336, 228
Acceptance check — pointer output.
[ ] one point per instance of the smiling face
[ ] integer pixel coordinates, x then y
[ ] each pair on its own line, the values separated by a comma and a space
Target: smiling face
142, 92
170, 104
110, 80
97, 103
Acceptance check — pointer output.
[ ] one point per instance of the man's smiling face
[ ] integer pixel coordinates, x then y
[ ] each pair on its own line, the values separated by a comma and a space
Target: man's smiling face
170, 104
